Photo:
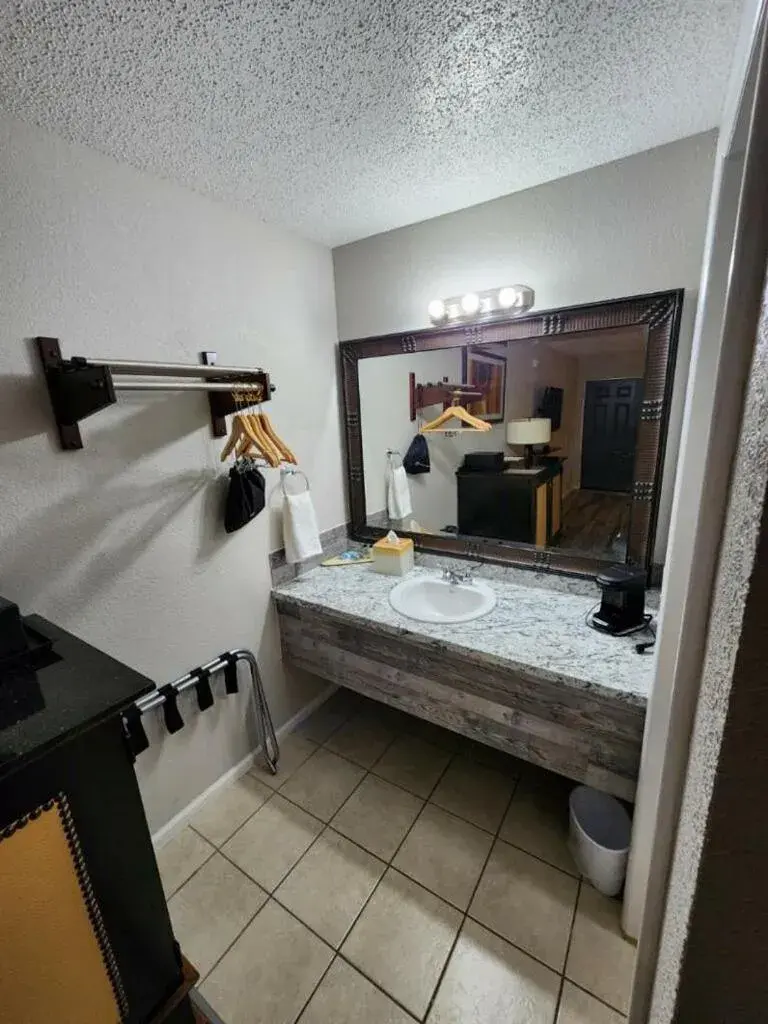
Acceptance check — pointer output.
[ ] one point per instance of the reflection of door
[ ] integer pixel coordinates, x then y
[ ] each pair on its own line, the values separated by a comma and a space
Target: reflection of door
611, 417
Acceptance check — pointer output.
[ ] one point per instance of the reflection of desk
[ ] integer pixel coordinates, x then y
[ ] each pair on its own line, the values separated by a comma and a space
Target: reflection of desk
514, 504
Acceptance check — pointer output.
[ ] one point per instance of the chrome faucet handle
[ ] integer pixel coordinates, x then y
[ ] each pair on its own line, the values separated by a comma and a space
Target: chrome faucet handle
456, 577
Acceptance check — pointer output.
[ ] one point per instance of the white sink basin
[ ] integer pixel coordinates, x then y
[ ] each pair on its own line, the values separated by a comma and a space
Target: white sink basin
430, 599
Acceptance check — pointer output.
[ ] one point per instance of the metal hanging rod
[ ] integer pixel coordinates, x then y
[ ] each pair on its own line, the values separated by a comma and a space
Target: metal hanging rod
79, 387
127, 366
182, 385
166, 697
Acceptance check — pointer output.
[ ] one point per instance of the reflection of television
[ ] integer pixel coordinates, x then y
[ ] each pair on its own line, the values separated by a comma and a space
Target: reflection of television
549, 405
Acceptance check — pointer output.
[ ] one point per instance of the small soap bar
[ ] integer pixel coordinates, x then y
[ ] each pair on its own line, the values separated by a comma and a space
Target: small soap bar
393, 556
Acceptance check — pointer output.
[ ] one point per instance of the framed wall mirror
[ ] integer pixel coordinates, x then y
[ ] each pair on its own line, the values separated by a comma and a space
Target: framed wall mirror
563, 472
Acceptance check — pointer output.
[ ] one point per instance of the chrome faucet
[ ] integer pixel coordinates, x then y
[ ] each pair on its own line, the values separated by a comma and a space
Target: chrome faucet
455, 578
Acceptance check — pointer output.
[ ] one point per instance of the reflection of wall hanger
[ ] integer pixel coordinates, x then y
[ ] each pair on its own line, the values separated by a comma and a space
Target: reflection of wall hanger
79, 387
444, 393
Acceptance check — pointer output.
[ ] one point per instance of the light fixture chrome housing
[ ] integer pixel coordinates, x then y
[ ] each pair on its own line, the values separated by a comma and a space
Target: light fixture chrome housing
492, 304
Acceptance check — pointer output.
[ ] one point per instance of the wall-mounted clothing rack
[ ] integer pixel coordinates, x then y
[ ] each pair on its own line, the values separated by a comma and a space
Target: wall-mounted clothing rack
421, 396
166, 697
79, 387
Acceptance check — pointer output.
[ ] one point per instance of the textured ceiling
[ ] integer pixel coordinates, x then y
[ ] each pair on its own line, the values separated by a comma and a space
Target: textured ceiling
343, 118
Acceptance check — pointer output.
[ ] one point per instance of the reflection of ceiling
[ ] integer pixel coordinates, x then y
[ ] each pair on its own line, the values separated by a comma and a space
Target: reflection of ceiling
627, 339
343, 119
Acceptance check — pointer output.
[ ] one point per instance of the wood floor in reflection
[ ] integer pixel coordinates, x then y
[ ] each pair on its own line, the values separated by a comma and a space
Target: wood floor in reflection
596, 523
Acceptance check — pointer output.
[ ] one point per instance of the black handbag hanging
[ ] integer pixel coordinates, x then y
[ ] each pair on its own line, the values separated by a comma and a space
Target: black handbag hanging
416, 459
245, 495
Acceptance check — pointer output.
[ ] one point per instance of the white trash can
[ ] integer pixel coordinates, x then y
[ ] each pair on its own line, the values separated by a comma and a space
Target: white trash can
599, 838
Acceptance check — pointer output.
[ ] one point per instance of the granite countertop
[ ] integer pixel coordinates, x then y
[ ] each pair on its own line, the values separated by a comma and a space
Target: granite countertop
535, 630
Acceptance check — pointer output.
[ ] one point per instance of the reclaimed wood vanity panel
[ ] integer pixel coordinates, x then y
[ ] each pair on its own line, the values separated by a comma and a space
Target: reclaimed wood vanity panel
567, 729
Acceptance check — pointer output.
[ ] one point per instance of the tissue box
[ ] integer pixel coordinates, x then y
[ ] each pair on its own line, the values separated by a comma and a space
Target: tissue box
393, 557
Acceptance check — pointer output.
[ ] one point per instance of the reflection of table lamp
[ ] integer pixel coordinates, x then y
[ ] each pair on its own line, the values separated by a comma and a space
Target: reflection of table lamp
529, 432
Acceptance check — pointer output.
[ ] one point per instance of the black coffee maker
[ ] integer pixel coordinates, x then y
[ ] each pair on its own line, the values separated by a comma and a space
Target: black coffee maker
622, 608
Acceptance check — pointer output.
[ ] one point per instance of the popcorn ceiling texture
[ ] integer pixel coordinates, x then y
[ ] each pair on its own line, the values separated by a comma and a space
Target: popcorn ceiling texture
341, 120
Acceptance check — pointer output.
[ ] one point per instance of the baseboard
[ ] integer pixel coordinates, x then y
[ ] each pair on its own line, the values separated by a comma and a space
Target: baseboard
166, 832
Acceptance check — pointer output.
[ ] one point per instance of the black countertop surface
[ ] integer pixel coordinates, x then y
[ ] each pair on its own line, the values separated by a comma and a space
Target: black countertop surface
79, 688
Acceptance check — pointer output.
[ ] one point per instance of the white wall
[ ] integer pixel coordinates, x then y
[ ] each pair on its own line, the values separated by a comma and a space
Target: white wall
122, 542
629, 227
530, 366
386, 423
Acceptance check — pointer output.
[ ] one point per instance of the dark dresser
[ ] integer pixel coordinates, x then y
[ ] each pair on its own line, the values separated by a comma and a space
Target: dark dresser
517, 504
85, 936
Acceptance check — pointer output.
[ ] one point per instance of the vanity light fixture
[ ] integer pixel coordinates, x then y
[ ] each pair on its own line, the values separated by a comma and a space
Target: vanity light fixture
511, 300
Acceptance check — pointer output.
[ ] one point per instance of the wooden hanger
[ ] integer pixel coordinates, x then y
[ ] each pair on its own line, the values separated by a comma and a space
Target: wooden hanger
271, 452
458, 412
239, 431
278, 442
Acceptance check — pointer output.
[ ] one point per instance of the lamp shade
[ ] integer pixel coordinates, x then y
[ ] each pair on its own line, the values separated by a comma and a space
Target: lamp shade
530, 431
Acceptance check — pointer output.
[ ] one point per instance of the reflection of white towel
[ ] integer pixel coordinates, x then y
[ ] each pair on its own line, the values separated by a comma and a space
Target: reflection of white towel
398, 494
301, 536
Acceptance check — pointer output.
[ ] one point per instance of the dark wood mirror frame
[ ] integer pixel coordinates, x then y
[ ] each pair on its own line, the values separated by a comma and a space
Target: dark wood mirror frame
659, 314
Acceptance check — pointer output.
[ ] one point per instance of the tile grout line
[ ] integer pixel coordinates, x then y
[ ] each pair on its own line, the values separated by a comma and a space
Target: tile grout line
597, 999
215, 964
567, 952
337, 954
453, 755
178, 888
388, 867
311, 995
270, 896
465, 914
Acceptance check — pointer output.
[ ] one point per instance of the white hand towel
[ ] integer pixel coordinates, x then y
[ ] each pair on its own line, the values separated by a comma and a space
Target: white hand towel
301, 536
398, 494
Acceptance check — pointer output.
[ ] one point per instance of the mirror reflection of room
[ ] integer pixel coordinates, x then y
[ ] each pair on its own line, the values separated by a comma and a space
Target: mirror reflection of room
556, 467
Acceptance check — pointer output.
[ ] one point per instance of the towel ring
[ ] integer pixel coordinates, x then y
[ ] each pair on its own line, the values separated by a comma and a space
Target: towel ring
391, 454
285, 472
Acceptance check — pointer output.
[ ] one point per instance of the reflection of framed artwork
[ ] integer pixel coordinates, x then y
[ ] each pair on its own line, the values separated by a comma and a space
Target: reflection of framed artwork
488, 371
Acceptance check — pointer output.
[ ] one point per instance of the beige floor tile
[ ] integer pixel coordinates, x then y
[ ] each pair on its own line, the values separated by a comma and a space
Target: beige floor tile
528, 902
481, 753
226, 810
210, 910
577, 1007
346, 997
363, 739
329, 886
600, 959
402, 940
329, 717
445, 854
489, 981
323, 783
269, 845
413, 764
269, 973
377, 816
393, 718
180, 858
294, 751
434, 734
537, 819
474, 792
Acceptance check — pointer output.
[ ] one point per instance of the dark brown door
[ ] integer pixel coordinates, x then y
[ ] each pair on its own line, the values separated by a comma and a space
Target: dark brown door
611, 417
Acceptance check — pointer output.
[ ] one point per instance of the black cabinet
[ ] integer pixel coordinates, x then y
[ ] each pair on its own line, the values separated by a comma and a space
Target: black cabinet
87, 896
516, 504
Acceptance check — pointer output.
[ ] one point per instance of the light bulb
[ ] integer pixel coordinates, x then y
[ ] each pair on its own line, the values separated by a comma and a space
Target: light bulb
508, 297
436, 309
470, 302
